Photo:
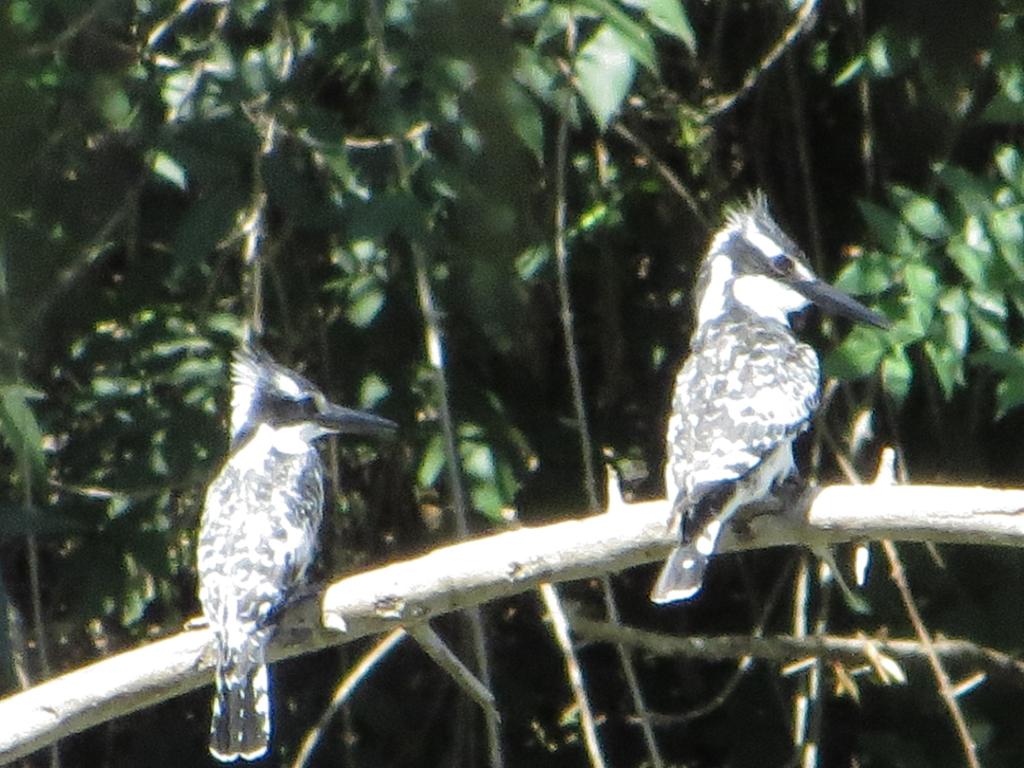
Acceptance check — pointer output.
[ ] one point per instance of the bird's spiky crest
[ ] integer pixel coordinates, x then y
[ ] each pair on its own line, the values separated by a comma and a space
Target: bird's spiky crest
254, 372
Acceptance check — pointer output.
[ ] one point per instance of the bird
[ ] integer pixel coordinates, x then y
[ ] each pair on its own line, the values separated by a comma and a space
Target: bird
747, 389
258, 533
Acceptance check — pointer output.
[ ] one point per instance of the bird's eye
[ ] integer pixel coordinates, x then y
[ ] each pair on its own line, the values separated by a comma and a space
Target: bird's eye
782, 264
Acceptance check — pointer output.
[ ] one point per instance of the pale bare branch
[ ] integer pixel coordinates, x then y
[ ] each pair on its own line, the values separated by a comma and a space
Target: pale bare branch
473, 572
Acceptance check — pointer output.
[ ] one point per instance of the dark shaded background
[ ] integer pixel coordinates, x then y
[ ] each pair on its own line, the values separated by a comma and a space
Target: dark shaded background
134, 151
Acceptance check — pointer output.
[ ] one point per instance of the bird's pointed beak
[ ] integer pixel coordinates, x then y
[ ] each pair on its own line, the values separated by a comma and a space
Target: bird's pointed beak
835, 302
337, 418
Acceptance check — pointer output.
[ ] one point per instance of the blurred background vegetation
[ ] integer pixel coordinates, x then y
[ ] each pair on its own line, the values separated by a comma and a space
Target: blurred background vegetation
169, 169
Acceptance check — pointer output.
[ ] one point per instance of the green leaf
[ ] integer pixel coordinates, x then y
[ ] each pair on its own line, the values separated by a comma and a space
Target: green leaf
897, 374
631, 35
971, 192
431, 463
857, 356
948, 366
890, 233
1008, 104
525, 118
868, 274
1008, 229
972, 261
991, 331
954, 307
670, 17
488, 499
1010, 365
169, 169
850, 71
878, 55
1009, 395
922, 214
532, 260
373, 390
20, 429
604, 73
1008, 161
477, 460
921, 281
366, 297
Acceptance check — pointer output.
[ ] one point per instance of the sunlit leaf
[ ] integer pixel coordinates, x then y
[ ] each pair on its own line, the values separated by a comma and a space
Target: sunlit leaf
921, 281
1008, 229
991, 329
850, 71
1011, 168
169, 169
373, 390
365, 304
922, 214
670, 17
972, 262
432, 461
631, 36
604, 74
20, 429
954, 307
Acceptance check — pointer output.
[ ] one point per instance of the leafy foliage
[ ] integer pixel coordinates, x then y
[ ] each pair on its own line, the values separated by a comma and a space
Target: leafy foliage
163, 160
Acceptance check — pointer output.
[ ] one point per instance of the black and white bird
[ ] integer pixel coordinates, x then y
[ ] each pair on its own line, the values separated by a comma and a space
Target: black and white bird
748, 388
258, 534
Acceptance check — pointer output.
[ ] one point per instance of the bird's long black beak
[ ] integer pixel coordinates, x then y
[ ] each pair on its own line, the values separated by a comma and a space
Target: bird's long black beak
337, 418
835, 302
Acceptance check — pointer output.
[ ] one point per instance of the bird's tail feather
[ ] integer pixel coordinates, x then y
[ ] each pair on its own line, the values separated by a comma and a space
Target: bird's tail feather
681, 577
240, 727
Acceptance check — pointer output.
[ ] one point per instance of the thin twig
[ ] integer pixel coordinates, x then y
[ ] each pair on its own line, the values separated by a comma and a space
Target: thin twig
945, 687
564, 298
806, 695
718, 106
582, 423
434, 341
852, 650
36, 598
560, 628
345, 689
867, 134
743, 665
632, 680
71, 31
803, 153
438, 650
28, 500
663, 170
887, 476
254, 224
161, 28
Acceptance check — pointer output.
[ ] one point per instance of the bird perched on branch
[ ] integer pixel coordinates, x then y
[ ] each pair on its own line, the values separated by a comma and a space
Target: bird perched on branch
258, 533
747, 390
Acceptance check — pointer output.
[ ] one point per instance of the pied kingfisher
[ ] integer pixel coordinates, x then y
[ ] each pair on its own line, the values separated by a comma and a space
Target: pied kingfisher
258, 533
747, 390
